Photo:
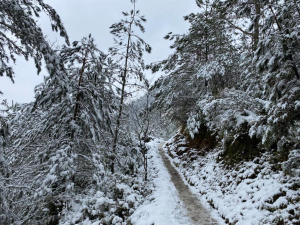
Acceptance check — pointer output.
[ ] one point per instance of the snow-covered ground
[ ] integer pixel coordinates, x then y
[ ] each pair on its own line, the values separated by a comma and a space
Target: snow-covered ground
162, 206
251, 193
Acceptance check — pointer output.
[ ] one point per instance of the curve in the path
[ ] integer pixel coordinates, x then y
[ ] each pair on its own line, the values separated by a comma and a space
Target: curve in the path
198, 214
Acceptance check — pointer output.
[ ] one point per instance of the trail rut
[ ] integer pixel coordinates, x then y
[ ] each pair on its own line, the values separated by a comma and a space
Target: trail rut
197, 213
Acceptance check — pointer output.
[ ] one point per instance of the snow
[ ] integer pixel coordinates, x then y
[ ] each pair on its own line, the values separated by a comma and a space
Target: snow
163, 206
228, 114
250, 193
159, 204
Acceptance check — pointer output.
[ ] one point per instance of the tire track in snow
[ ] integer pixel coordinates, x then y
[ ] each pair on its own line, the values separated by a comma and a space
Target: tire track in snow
197, 213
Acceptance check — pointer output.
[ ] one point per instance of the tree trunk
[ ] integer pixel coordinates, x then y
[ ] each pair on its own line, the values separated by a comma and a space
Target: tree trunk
256, 25
78, 89
285, 47
121, 102
146, 167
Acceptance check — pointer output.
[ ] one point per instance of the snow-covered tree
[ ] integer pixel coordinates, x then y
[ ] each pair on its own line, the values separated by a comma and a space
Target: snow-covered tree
127, 53
60, 141
5, 212
141, 123
20, 34
277, 58
204, 62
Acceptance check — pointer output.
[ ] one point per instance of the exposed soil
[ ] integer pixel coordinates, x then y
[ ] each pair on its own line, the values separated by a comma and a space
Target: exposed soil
197, 213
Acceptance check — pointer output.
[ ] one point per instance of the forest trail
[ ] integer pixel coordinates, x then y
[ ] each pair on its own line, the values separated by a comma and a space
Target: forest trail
197, 213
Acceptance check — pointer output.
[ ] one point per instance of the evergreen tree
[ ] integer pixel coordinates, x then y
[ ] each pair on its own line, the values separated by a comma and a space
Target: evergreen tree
277, 58
127, 53
21, 35
237, 13
244, 19
5, 213
204, 63
64, 135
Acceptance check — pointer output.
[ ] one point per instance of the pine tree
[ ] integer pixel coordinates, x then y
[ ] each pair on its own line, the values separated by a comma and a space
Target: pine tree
235, 13
204, 62
20, 35
5, 213
245, 19
277, 58
128, 55
65, 131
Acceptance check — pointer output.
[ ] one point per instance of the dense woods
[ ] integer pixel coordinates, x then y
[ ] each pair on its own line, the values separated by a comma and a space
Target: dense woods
236, 72
78, 152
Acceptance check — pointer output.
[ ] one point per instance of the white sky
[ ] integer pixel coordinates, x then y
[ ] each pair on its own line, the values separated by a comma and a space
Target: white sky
82, 17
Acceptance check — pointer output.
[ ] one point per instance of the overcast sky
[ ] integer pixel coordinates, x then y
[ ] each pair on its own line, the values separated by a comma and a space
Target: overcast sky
82, 17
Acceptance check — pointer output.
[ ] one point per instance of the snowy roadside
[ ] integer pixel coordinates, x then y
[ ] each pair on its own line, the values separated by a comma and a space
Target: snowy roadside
250, 194
194, 189
162, 206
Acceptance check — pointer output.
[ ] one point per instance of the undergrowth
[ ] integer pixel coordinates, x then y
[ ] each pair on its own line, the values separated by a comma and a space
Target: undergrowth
221, 172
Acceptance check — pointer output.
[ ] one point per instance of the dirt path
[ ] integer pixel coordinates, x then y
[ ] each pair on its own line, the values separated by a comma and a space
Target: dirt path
198, 214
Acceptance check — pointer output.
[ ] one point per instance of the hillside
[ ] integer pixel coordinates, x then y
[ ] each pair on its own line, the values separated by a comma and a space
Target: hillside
257, 191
